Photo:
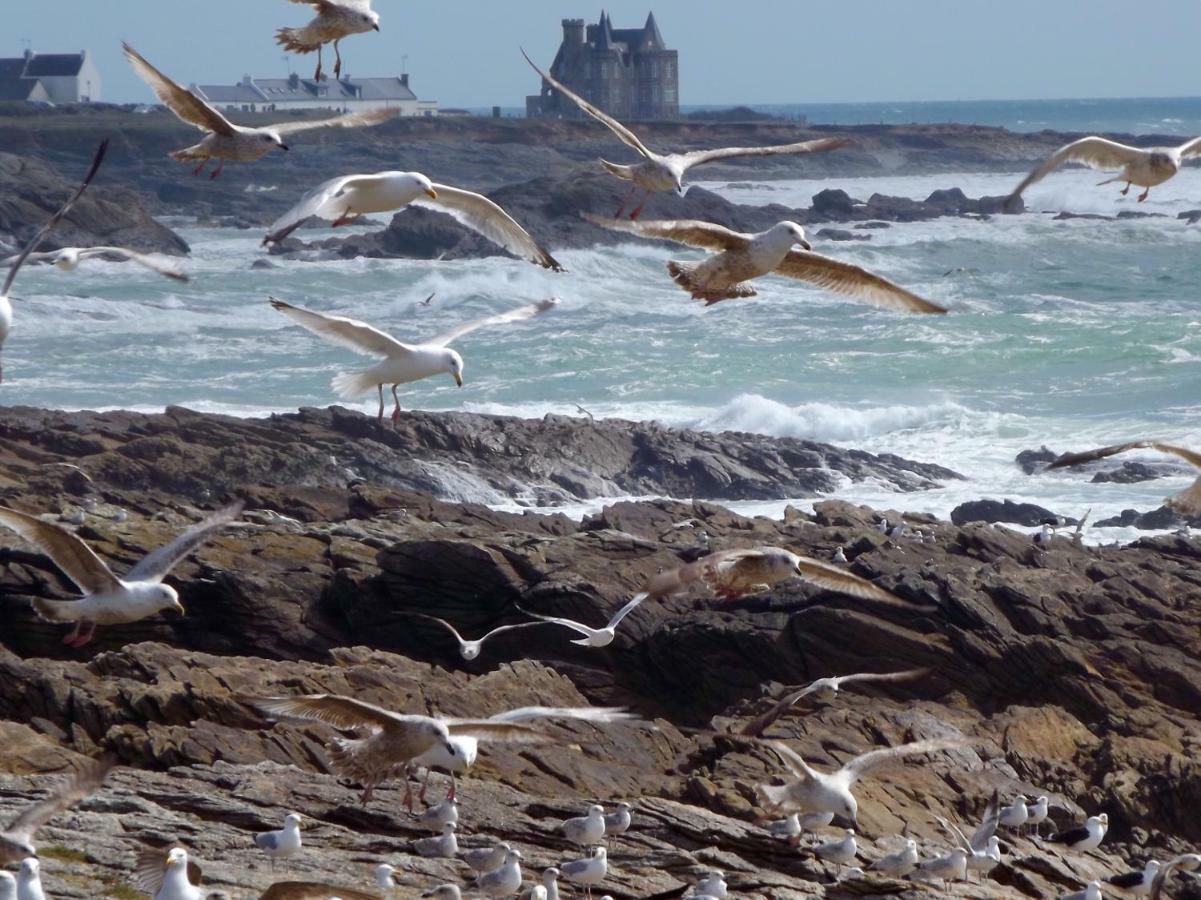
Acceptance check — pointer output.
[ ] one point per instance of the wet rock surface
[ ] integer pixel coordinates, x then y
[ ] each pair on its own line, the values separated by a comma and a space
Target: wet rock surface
1068, 670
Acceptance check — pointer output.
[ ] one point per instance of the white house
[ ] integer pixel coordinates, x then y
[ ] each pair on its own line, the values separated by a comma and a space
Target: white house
294, 92
50, 78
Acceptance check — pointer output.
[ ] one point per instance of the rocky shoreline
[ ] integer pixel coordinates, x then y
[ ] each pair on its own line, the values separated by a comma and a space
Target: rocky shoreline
1068, 670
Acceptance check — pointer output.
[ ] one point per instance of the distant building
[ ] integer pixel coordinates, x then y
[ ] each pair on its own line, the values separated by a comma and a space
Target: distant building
50, 78
294, 92
627, 72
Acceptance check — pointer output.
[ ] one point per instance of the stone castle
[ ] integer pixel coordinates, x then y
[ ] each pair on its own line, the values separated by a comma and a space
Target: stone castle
627, 72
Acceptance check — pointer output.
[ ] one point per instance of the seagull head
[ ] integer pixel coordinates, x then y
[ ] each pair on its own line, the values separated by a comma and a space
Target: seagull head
292, 820
30, 866
798, 234
369, 20
849, 810
454, 365
177, 857
421, 185
273, 137
167, 598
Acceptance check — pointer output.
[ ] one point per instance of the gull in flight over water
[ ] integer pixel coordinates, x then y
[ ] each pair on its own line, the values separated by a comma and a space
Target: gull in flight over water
336, 19
470, 650
1187, 502
1145, 166
6, 307
592, 637
16, 838
344, 199
109, 600
68, 259
402, 363
660, 173
224, 140
783, 249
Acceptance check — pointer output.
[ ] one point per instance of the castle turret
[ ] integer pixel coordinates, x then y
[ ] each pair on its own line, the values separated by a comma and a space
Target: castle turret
573, 32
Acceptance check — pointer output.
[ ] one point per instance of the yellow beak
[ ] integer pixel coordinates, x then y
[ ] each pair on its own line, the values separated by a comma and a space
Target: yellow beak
458, 379
431, 193
179, 609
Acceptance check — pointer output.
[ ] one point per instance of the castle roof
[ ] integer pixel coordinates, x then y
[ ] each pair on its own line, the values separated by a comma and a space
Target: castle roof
276, 90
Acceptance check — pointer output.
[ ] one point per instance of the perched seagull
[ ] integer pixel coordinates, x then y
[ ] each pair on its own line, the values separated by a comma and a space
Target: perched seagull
1138, 882
951, 867
109, 600
665, 173
444, 846
824, 689
173, 877
385, 877
586, 830
618, 822
814, 791
1188, 862
839, 556
735, 573
68, 259
1038, 812
713, 885
1085, 837
1144, 166
841, 852
29, 880
402, 363
741, 258
587, 872
1015, 815
344, 199
16, 839
486, 859
898, 864
223, 139
445, 892
1187, 502
592, 637
336, 19
8, 886
393, 739
983, 850
283, 844
787, 829
504, 881
1092, 892
444, 813
6, 307
550, 883
470, 650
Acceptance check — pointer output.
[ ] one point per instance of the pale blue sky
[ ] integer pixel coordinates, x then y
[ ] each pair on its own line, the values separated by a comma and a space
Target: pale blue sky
464, 52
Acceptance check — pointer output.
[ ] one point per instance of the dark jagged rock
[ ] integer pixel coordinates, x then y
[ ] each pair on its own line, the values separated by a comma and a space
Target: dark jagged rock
1131, 473
1031, 461
839, 234
1026, 514
1156, 520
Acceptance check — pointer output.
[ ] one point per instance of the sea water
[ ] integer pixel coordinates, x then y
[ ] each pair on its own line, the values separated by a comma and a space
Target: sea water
1071, 334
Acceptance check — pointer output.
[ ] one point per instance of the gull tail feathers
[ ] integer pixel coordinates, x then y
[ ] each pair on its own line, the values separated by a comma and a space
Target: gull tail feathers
57, 610
625, 173
684, 274
189, 154
350, 385
772, 796
293, 40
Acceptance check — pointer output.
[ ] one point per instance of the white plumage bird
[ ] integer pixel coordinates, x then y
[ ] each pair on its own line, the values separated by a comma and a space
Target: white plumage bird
335, 20
67, 259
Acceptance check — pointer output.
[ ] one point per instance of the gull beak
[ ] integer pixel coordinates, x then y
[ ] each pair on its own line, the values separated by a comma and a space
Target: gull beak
284, 147
805, 245
431, 193
178, 607
375, 28
458, 379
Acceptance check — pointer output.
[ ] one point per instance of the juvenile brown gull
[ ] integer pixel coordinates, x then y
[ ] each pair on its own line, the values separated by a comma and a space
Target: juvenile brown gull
336, 19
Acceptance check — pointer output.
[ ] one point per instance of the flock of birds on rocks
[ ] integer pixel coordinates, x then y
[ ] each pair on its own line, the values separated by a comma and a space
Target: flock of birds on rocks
372, 744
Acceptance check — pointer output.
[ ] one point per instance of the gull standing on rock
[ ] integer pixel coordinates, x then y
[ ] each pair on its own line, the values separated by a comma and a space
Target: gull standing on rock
385, 877
587, 872
713, 885
8, 886
109, 600
951, 867
1187, 502
618, 822
741, 258
1085, 837
173, 877
1137, 883
898, 864
1144, 166
592, 637
223, 139
445, 892
1038, 812
486, 859
444, 813
1015, 815
550, 883
402, 363
6, 307
16, 839
586, 830
68, 259
344, 199
336, 19
444, 846
29, 880
663, 173
1091, 892
841, 852
470, 650
283, 844
504, 881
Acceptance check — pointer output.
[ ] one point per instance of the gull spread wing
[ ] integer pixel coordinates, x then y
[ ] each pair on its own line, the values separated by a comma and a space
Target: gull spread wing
988, 825
317, 202
350, 333
155, 263
352, 120
514, 315
330, 709
832, 578
492, 730
151, 870
1187, 501
1095, 152
793, 761
861, 765
626, 610
624, 134
444, 624
1076, 459
312, 890
78, 787
700, 157
692, 233
958, 838
585, 630
1192, 148
155, 565
73, 556
31, 257
580, 713
853, 281
33, 245
179, 100
477, 212
759, 725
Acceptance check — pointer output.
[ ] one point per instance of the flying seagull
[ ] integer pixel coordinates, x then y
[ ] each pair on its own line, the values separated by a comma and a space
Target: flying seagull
1187, 862
1144, 166
825, 688
393, 739
1187, 502
740, 258
6, 308
69, 258
225, 140
592, 637
665, 172
168, 874
982, 851
16, 839
336, 19
470, 650
344, 199
814, 791
109, 600
402, 363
